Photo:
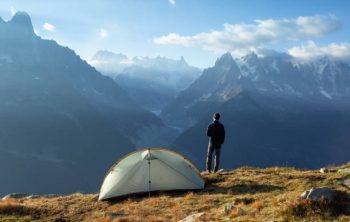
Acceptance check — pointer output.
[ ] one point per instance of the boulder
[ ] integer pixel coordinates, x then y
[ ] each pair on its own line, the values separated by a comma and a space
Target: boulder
346, 182
316, 193
192, 217
344, 170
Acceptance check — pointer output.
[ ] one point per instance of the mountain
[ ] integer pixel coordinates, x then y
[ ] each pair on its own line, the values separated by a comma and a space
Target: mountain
277, 111
62, 122
109, 63
151, 82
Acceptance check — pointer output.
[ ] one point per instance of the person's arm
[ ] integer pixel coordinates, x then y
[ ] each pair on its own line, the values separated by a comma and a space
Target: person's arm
209, 131
223, 134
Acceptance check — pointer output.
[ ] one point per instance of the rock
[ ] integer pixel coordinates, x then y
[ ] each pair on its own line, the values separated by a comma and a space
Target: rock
324, 170
192, 217
346, 183
320, 192
15, 196
345, 170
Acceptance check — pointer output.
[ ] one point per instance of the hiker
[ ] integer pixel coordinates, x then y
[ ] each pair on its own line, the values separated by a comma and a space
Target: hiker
216, 134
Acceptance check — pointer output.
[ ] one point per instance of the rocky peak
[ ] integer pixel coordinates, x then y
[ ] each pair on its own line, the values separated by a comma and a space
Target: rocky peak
182, 60
251, 57
22, 21
107, 55
225, 60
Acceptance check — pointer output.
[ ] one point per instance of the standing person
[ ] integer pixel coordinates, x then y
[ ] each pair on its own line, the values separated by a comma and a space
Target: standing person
216, 134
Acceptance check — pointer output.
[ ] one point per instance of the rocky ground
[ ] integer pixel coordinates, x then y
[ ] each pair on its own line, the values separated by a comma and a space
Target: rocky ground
244, 194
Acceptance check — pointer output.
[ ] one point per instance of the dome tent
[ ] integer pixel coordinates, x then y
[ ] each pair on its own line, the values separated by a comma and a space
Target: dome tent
151, 169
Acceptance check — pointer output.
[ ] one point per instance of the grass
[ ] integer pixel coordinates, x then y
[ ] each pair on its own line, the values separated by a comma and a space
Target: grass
249, 194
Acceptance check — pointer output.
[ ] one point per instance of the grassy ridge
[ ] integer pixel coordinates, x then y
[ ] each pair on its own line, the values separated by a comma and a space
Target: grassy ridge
249, 194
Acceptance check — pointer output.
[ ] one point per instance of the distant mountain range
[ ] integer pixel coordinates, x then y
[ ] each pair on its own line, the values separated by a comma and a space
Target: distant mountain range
277, 111
151, 82
62, 123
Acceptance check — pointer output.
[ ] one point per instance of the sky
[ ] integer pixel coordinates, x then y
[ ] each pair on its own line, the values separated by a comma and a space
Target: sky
199, 30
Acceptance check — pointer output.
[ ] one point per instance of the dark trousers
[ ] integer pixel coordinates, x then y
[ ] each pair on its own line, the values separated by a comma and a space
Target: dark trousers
211, 148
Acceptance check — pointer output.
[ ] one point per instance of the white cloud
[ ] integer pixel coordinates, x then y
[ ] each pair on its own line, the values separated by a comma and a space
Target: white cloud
173, 2
49, 27
239, 38
103, 33
13, 11
311, 50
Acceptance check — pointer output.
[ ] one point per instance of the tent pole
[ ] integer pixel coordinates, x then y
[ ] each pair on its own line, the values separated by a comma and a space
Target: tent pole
149, 174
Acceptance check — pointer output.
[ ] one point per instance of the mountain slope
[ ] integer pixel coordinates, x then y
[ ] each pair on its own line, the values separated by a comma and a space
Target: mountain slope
62, 122
151, 82
276, 112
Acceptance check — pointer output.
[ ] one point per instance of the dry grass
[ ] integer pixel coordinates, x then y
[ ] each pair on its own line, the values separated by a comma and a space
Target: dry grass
255, 194
12, 206
320, 209
258, 205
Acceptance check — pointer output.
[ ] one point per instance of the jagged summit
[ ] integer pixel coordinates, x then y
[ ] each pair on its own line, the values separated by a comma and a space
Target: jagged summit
183, 61
23, 20
225, 60
251, 56
251, 59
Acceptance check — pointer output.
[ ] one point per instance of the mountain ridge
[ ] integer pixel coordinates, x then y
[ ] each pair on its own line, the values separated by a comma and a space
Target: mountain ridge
59, 114
271, 108
151, 82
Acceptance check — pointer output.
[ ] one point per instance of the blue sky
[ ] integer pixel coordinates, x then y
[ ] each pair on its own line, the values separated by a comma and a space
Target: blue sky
199, 30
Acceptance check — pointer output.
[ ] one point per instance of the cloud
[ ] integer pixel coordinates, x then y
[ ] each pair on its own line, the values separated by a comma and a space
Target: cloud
239, 38
103, 33
173, 2
49, 27
311, 50
13, 11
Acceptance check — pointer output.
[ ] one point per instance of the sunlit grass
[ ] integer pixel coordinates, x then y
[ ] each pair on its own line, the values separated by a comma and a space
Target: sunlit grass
254, 194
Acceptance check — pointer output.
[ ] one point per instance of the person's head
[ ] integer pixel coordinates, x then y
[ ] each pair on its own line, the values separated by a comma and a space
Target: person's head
216, 116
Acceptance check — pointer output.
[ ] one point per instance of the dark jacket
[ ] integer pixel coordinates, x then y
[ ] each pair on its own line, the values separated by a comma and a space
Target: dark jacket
216, 132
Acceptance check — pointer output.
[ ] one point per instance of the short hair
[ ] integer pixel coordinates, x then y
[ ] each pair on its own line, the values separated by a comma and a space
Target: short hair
216, 116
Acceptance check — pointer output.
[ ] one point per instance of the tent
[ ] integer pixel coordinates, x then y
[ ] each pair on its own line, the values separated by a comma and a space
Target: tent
151, 169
